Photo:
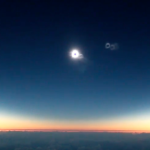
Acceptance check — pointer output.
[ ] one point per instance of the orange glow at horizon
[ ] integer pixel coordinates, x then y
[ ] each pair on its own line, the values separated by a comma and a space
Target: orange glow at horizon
125, 124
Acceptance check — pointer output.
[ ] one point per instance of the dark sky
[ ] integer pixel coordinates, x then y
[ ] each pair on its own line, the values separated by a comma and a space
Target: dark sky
39, 81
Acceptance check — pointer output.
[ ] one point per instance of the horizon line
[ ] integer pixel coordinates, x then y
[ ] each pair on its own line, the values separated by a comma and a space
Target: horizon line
61, 130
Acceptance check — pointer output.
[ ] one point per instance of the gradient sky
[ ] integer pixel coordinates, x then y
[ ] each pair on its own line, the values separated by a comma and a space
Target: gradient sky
42, 88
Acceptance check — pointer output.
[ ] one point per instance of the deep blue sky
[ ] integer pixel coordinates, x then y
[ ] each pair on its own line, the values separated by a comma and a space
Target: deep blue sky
39, 80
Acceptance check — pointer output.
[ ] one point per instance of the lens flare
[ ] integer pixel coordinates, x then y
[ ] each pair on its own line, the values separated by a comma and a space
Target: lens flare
107, 45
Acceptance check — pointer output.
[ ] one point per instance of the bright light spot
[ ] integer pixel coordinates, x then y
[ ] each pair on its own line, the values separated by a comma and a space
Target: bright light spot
75, 54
